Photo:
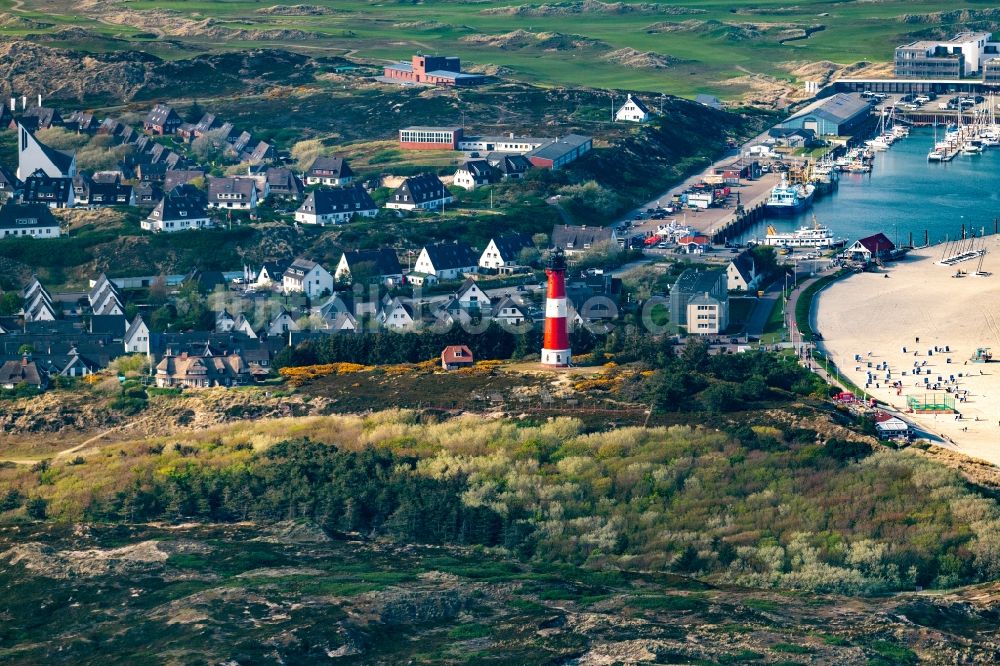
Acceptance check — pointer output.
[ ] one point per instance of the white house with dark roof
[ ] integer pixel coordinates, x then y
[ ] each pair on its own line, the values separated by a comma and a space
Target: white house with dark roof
741, 274
633, 111
281, 324
180, 209
504, 250
470, 296
31, 220
509, 312
333, 171
329, 205
137, 337
381, 265
270, 273
33, 155
54, 192
307, 277
395, 315
446, 261
476, 173
424, 192
232, 193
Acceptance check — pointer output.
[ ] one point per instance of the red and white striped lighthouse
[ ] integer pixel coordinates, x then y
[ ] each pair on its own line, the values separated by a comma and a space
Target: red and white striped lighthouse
555, 347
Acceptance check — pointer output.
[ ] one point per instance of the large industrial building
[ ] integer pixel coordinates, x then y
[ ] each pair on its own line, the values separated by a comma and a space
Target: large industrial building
432, 70
839, 115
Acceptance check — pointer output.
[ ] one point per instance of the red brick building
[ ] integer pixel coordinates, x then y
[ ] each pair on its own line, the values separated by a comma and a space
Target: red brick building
432, 70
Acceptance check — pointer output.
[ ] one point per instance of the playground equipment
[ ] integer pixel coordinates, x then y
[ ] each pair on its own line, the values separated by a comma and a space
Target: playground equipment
982, 355
931, 403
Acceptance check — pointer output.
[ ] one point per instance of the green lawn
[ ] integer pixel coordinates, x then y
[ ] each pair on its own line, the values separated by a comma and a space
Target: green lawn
703, 42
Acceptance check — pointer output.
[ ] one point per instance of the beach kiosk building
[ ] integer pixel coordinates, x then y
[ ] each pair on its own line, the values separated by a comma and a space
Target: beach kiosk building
871, 248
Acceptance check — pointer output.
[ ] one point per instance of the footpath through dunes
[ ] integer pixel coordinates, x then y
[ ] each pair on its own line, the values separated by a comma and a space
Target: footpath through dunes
921, 306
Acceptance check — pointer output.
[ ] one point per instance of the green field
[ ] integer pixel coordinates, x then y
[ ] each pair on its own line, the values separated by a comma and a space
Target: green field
696, 46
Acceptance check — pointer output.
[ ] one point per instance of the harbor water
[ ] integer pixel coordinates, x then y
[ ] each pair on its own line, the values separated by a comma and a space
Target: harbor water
905, 193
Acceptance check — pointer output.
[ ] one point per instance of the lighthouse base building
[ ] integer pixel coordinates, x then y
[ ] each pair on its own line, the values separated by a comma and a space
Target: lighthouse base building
555, 346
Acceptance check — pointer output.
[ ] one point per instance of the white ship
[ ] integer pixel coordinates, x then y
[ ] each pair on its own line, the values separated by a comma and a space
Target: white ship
789, 199
814, 236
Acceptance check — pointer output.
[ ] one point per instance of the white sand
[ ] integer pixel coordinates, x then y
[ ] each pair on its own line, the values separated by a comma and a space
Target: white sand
868, 312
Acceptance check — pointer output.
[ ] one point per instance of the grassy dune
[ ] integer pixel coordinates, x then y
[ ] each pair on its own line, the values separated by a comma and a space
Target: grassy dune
708, 41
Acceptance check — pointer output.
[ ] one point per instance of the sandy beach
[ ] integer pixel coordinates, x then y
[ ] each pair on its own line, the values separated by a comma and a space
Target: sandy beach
875, 317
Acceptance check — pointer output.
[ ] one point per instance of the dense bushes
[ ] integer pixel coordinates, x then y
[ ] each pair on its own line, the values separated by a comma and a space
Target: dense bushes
758, 506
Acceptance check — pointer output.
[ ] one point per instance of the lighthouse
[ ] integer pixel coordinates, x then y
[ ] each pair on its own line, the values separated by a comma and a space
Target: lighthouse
555, 347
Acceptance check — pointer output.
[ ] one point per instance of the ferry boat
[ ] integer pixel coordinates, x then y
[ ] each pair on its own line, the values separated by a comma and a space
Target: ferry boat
786, 199
814, 236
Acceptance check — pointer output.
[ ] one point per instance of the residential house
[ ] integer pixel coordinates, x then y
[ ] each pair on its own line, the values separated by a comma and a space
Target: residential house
174, 177
180, 209
395, 315
505, 250
208, 122
136, 338
201, 371
334, 171
281, 324
510, 167
23, 371
151, 173
241, 144
37, 303
470, 296
577, 240
162, 119
82, 122
263, 152
147, 194
633, 111
32, 220
38, 117
741, 274
371, 266
105, 298
327, 205
888, 426
224, 321
476, 173
232, 193
336, 315
282, 183
103, 193
9, 184
33, 155
454, 357
425, 191
243, 326
446, 261
270, 273
41, 188
307, 277
699, 301
508, 312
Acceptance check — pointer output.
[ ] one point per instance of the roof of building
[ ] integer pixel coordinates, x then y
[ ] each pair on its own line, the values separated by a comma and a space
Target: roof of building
509, 245
744, 263
326, 200
330, 166
877, 243
559, 147
695, 281
697, 239
207, 122
480, 169
384, 260
232, 185
839, 108
446, 256
159, 114
22, 371
456, 354
570, 237
638, 103
422, 188
710, 101
39, 186
26, 216
298, 268
427, 128
174, 177
282, 180
182, 203
507, 164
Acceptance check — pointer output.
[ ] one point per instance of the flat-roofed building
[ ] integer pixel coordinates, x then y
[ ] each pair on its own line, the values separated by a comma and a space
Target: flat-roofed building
430, 138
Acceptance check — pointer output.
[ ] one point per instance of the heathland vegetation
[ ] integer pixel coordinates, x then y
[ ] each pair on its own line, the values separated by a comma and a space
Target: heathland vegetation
763, 506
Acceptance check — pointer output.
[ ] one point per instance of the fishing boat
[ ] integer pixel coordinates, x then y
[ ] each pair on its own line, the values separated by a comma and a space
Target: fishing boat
789, 199
814, 236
